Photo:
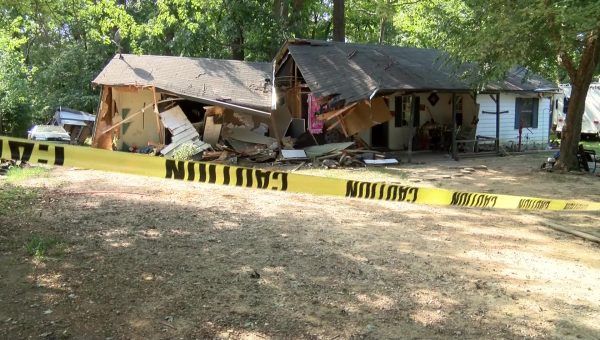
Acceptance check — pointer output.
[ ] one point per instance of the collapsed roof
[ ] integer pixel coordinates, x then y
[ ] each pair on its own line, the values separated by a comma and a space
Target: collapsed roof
349, 72
226, 82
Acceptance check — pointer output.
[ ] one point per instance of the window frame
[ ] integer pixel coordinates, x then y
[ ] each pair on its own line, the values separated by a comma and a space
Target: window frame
533, 117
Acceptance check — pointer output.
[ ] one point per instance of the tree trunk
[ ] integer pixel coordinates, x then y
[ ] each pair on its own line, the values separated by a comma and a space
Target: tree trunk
571, 132
382, 23
339, 21
237, 46
581, 78
277, 9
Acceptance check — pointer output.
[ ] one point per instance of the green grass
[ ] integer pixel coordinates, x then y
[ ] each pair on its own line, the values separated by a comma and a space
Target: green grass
40, 247
14, 197
594, 145
16, 174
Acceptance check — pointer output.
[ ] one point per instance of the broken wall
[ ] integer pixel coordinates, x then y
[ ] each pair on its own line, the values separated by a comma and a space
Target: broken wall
144, 127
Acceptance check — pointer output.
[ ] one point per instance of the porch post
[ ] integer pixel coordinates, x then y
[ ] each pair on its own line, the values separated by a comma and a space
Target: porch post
410, 127
498, 122
454, 144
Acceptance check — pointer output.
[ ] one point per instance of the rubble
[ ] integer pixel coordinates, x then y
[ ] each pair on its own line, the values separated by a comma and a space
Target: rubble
222, 135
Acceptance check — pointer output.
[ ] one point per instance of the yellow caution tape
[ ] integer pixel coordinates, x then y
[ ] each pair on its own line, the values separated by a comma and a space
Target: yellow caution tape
84, 157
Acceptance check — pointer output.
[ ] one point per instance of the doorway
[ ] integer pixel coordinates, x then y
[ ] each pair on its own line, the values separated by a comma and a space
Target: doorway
379, 135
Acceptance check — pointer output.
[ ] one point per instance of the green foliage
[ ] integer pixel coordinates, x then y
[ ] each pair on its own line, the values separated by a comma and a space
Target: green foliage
186, 151
40, 247
50, 51
14, 96
500, 34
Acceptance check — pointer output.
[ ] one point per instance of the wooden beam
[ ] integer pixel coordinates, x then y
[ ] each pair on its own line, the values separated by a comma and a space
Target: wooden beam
160, 129
410, 127
564, 229
497, 122
102, 139
454, 144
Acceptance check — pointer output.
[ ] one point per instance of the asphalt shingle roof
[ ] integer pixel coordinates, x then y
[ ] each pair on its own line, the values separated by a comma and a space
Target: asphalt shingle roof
241, 83
351, 72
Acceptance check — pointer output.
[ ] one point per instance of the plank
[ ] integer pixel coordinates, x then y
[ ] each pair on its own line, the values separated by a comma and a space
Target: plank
212, 131
181, 128
186, 136
248, 136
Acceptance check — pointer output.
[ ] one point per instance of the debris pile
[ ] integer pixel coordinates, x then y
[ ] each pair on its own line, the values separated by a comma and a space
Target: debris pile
225, 136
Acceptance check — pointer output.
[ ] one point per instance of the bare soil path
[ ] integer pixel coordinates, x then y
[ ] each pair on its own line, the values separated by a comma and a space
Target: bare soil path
138, 258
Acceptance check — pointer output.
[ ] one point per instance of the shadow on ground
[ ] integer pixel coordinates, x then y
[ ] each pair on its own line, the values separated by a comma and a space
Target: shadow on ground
218, 265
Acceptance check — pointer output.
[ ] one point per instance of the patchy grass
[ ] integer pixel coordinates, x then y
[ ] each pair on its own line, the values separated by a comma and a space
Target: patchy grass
12, 197
17, 174
591, 144
39, 247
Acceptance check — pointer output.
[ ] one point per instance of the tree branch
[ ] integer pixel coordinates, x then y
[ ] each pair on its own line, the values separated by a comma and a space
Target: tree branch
590, 55
565, 60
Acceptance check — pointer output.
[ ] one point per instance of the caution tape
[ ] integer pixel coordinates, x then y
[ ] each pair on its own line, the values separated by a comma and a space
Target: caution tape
84, 157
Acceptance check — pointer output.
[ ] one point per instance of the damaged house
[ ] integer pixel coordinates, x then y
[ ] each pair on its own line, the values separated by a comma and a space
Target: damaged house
321, 97
160, 103
401, 98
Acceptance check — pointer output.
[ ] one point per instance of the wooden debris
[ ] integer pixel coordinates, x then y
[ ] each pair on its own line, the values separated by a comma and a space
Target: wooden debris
212, 131
320, 150
578, 233
385, 161
293, 155
296, 168
245, 135
181, 129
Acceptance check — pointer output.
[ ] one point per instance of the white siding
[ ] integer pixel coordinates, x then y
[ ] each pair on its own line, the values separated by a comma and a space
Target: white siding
508, 134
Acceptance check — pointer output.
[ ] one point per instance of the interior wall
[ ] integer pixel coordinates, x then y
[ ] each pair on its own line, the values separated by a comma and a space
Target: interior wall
143, 128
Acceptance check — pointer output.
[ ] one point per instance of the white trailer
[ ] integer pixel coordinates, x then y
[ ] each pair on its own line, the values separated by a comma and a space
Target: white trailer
591, 117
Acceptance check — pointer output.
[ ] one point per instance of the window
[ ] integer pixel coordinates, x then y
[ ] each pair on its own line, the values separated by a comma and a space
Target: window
400, 113
402, 107
526, 113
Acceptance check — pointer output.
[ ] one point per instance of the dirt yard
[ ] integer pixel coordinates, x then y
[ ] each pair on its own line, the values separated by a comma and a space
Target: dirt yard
94, 255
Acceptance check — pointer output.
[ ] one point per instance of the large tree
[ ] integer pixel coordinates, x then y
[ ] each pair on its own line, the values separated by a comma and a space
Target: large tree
339, 20
551, 37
